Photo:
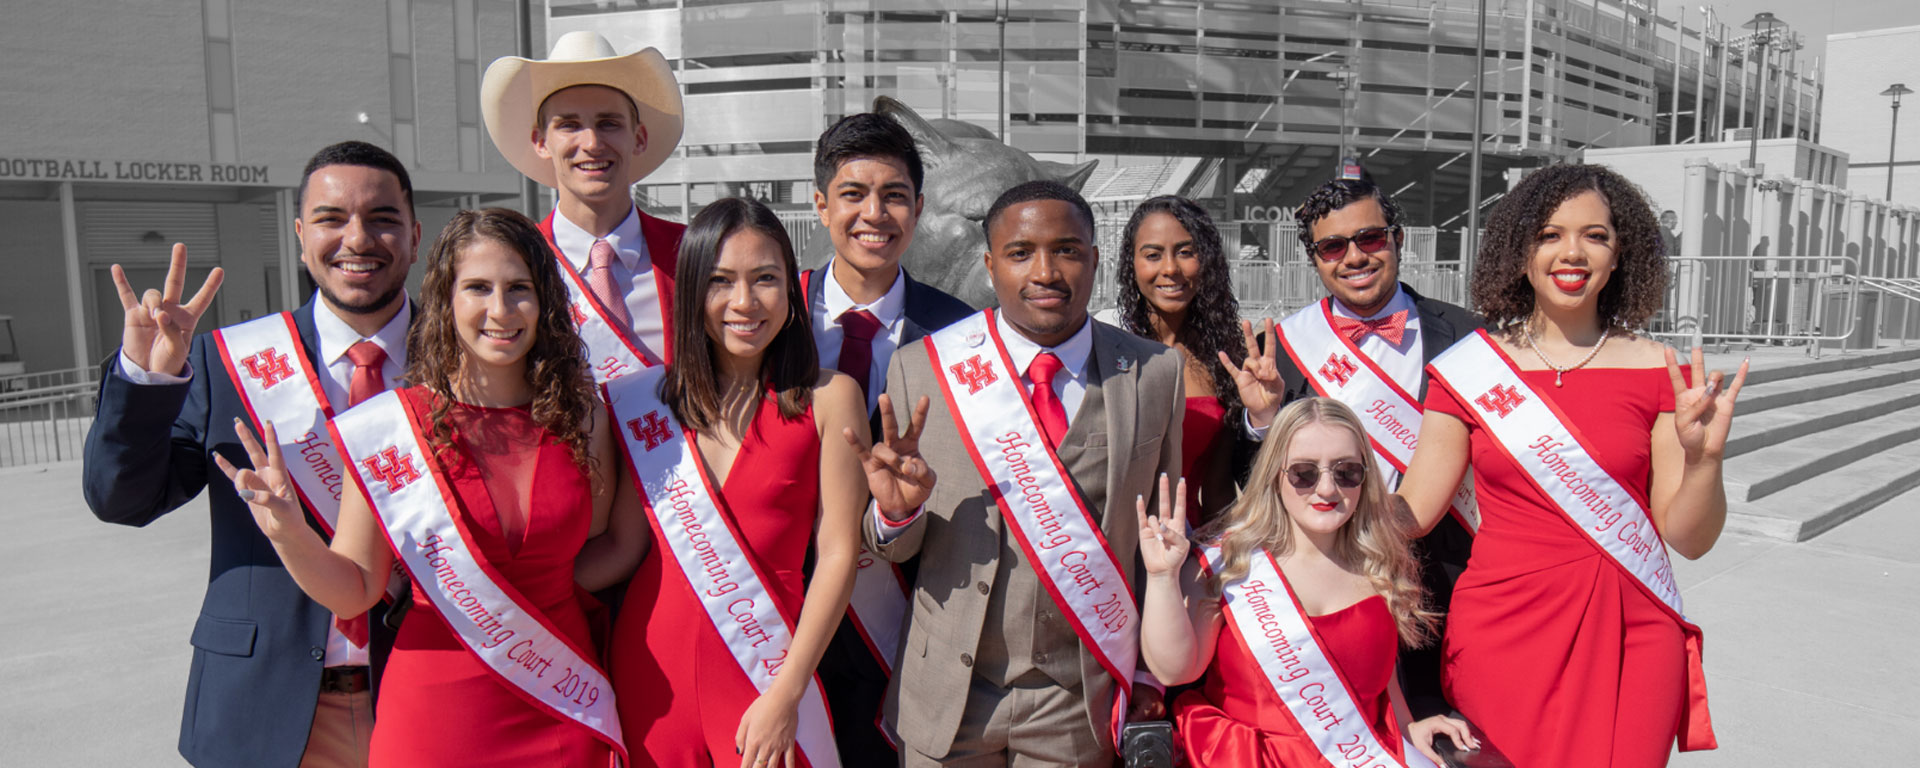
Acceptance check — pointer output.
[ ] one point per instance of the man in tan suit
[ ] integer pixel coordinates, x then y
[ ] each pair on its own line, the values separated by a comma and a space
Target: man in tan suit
992, 672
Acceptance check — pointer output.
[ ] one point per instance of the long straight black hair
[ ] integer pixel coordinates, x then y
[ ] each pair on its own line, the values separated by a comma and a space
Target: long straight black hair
791, 366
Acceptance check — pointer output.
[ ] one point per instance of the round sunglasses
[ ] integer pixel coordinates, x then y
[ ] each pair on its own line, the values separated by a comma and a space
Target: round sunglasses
1370, 240
1306, 475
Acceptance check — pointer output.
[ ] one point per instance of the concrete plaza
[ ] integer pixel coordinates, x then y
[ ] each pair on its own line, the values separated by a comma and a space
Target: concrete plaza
1807, 645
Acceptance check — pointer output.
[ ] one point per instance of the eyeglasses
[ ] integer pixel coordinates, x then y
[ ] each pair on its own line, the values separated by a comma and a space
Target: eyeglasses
1346, 474
1370, 240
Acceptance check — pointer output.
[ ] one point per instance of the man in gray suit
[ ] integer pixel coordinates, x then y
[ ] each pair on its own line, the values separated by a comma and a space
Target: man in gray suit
1008, 661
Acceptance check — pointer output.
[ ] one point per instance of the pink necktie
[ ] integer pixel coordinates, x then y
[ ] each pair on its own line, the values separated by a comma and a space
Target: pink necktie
600, 280
1053, 415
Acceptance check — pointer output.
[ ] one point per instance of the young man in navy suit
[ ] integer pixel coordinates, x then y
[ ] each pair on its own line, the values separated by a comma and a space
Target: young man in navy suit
868, 176
276, 679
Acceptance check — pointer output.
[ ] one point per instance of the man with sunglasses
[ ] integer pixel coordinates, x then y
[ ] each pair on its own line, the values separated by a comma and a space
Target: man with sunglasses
1367, 345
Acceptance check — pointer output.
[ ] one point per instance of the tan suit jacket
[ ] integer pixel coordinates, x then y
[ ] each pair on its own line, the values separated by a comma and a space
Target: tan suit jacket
958, 536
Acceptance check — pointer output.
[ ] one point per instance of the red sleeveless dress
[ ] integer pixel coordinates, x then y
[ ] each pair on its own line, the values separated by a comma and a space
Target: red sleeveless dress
1235, 720
1550, 648
681, 692
1200, 443
439, 705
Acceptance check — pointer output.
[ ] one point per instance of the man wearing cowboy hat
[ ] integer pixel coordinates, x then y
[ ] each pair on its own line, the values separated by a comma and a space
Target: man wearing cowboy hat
590, 124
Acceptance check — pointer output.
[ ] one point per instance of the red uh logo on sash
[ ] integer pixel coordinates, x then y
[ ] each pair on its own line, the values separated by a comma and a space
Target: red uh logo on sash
973, 372
268, 367
390, 467
1339, 368
579, 315
650, 429
1500, 400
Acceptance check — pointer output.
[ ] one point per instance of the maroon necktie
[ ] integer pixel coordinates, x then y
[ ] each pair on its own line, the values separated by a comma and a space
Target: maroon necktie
856, 349
366, 381
1391, 328
1053, 415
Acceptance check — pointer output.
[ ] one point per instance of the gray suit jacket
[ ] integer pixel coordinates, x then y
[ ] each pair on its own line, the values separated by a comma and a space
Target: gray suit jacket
958, 536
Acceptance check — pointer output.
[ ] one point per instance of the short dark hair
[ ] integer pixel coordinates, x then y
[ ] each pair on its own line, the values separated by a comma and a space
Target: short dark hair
791, 366
1336, 194
865, 134
356, 153
1500, 291
1043, 189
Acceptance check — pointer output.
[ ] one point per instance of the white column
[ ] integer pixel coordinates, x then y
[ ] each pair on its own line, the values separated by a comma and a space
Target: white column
76, 287
289, 249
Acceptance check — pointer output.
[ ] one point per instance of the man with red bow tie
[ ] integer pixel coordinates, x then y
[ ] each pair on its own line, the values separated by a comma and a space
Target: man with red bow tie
1367, 345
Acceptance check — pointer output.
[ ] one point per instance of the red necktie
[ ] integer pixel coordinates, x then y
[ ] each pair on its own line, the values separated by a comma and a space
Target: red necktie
600, 280
1391, 328
366, 381
1053, 415
856, 349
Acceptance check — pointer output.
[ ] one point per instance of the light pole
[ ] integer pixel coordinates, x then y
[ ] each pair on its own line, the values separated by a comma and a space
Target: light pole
1896, 91
1345, 77
1762, 25
1473, 165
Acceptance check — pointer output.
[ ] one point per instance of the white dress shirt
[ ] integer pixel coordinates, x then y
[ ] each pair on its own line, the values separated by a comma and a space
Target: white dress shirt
633, 268
890, 309
1405, 362
334, 337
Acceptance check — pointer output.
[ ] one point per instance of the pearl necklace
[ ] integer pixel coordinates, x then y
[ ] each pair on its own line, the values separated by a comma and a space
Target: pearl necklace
1558, 371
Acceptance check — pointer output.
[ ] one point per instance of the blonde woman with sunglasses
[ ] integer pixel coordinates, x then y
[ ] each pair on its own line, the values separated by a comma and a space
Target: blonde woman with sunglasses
1296, 606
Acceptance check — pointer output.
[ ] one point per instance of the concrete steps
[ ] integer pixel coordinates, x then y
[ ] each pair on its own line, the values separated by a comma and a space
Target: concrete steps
1761, 473
1758, 431
1764, 396
1810, 508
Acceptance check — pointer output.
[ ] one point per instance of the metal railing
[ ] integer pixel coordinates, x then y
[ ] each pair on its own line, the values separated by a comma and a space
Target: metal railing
1814, 300
44, 416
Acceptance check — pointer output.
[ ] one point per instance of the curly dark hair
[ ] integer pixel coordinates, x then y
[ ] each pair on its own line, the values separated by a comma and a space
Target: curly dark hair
563, 396
1334, 195
1212, 324
1500, 291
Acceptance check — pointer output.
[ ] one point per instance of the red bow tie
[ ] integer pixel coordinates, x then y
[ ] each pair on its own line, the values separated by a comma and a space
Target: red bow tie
1391, 328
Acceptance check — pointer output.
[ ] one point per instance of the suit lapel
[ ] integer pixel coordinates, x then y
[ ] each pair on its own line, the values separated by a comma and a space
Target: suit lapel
309, 336
1120, 390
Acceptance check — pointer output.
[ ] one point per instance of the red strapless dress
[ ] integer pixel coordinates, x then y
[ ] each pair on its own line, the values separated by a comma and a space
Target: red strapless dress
1200, 443
681, 692
1551, 648
1235, 721
439, 705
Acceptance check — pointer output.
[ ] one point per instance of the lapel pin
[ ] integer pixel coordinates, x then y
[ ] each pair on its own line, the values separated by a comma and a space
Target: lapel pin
1123, 364
976, 338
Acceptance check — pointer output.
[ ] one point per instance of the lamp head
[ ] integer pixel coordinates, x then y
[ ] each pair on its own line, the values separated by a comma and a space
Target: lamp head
1897, 90
1764, 20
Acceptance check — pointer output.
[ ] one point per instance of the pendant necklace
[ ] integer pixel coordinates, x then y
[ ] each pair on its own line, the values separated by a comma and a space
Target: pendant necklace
1558, 371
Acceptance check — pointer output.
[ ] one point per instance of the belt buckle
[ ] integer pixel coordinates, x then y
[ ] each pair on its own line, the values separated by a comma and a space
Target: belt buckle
354, 679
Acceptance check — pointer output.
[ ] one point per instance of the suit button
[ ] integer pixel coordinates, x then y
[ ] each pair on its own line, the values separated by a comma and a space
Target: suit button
319, 653
1039, 657
982, 586
966, 659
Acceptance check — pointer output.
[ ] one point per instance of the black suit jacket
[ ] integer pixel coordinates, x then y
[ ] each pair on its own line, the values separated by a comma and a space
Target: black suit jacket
1443, 552
259, 644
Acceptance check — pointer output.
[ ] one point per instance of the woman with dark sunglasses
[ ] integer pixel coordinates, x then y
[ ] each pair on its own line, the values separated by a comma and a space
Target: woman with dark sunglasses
1304, 590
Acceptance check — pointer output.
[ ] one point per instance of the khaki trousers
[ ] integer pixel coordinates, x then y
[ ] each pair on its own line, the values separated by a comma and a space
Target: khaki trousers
342, 729
1019, 727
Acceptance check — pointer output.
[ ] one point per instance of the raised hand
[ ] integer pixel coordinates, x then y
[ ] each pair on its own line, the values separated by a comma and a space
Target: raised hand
1261, 388
159, 329
897, 476
1703, 413
266, 488
1163, 537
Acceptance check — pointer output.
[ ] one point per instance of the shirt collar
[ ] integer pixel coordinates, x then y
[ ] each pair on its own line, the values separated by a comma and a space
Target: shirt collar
335, 336
888, 309
1401, 301
1021, 350
575, 242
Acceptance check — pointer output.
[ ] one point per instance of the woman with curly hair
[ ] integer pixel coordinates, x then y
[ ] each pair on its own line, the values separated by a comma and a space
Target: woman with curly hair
1174, 289
1313, 561
1591, 455
500, 403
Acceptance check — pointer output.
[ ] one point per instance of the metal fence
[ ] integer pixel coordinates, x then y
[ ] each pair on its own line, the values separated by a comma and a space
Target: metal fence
44, 416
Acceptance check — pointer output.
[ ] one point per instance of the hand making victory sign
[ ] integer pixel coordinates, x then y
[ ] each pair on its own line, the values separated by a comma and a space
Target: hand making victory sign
1262, 390
897, 476
266, 488
1163, 537
1703, 413
159, 331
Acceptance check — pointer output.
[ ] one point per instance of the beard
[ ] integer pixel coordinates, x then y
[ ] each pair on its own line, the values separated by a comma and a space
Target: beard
384, 301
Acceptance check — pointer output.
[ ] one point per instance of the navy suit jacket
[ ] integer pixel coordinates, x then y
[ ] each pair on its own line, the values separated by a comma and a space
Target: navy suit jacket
259, 643
928, 308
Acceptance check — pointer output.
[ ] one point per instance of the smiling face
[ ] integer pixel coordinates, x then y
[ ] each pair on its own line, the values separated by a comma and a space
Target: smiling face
357, 237
746, 296
1363, 281
1573, 254
593, 138
1166, 265
496, 310
1323, 508
870, 209
1042, 258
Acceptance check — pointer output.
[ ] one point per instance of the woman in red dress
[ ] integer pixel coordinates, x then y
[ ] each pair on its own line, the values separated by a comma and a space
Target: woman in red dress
499, 385
772, 428
1553, 649
1315, 503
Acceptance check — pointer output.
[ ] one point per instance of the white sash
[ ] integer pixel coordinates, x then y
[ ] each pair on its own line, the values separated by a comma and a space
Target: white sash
514, 640
878, 607
610, 349
1042, 510
1272, 627
278, 386
1339, 370
695, 531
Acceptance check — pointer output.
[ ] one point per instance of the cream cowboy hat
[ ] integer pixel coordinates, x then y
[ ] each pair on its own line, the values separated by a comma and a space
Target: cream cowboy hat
511, 93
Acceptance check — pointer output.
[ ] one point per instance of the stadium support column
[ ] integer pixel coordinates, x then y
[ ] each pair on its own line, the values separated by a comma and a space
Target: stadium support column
76, 290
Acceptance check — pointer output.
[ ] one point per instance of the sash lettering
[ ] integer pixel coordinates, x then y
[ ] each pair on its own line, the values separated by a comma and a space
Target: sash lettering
277, 385
697, 532
1390, 415
411, 497
1042, 511
1551, 453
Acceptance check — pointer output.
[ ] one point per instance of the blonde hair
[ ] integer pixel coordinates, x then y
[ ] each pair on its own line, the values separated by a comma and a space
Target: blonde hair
1374, 540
